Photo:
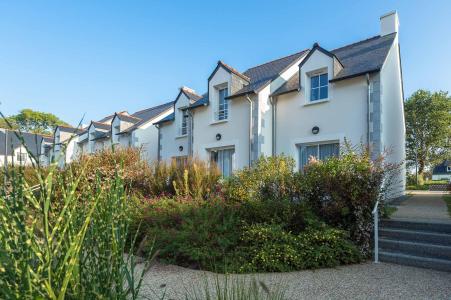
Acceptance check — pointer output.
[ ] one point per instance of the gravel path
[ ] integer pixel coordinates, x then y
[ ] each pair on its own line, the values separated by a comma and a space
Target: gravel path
423, 206
362, 281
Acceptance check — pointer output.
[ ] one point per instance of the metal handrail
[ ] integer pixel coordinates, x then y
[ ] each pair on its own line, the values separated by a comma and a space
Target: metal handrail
375, 213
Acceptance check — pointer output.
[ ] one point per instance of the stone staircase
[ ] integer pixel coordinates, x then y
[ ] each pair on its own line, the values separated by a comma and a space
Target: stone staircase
426, 245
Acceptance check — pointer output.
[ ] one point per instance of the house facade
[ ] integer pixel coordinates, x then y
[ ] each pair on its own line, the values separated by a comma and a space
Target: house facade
22, 148
120, 129
302, 105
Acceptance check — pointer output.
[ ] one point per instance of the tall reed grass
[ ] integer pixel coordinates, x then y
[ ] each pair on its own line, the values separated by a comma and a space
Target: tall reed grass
56, 243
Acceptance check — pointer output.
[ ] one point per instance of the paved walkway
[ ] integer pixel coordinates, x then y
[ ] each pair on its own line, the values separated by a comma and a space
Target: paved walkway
423, 206
362, 281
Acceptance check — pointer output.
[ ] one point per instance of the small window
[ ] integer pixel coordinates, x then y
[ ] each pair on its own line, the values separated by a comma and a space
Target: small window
448, 168
319, 151
319, 87
21, 157
184, 125
223, 108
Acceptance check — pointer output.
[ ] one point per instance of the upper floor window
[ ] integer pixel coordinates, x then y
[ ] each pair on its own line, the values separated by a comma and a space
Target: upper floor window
21, 157
223, 108
184, 124
319, 86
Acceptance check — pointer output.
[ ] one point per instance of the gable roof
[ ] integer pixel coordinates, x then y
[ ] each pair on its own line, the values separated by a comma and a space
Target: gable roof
263, 74
126, 117
148, 114
100, 125
228, 69
31, 140
367, 56
69, 129
189, 93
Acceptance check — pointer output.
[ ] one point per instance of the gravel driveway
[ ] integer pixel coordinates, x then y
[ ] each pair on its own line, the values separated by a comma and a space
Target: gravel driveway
362, 281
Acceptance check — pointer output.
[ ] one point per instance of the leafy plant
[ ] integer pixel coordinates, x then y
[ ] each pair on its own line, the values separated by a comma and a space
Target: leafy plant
56, 245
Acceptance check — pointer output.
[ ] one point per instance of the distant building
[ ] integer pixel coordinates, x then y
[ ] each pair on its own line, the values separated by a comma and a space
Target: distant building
22, 148
442, 171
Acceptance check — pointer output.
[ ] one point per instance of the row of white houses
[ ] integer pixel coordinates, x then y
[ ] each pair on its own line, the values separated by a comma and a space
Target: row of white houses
302, 105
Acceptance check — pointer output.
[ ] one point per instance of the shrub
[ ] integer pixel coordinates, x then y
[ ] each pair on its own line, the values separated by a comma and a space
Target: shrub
272, 249
194, 234
343, 191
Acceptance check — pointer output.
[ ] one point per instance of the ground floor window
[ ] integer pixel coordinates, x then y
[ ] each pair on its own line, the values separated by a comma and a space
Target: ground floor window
21, 157
223, 158
318, 151
181, 161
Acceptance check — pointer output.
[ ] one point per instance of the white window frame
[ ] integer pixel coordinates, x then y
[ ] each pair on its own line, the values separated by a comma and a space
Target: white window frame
222, 113
184, 122
318, 74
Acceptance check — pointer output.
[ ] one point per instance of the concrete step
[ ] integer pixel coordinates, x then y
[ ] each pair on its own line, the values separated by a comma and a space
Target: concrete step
416, 236
415, 248
416, 226
415, 261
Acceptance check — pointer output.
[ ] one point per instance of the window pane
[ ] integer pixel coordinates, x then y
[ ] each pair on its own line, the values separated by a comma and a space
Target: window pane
323, 94
323, 80
328, 150
314, 94
315, 81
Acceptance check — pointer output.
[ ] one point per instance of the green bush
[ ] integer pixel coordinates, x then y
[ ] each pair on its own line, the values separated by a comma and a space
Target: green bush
343, 190
272, 249
197, 235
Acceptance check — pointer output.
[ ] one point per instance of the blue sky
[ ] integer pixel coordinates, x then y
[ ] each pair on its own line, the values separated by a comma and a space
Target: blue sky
95, 57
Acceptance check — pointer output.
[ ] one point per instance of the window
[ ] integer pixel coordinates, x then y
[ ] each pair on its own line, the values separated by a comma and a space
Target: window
184, 125
318, 151
319, 87
448, 169
223, 158
181, 161
223, 108
21, 157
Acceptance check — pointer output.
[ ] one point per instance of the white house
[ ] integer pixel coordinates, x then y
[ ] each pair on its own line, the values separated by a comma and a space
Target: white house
121, 129
65, 139
305, 104
442, 171
22, 148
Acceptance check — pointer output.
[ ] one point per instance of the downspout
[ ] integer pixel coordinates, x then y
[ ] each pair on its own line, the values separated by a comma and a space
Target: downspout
368, 116
250, 128
159, 150
273, 101
190, 133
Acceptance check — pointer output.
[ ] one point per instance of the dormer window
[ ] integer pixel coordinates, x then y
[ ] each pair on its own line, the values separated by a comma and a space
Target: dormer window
319, 87
223, 104
184, 124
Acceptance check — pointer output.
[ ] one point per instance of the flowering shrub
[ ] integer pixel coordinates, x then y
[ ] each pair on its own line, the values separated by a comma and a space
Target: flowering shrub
343, 190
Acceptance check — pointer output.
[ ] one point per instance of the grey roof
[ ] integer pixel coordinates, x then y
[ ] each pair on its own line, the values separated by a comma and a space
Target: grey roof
357, 59
32, 141
263, 74
190, 94
168, 118
364, 56
148, 114
128, 118
68, 129
202, 101
101, 135
100, 125
442, 168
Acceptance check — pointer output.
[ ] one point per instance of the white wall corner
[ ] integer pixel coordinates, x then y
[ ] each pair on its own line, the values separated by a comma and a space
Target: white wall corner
389, 23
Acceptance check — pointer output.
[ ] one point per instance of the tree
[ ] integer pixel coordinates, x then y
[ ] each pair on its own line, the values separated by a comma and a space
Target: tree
428, 129
33, 121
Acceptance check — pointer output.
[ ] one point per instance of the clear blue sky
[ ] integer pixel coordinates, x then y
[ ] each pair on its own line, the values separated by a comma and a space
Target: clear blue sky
97, 57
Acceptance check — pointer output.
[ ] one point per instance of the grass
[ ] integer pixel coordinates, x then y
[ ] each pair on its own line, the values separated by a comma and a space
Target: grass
388, 211
447, 199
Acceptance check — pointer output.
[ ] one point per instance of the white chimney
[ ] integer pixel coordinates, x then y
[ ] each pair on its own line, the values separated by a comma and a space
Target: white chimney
389, 23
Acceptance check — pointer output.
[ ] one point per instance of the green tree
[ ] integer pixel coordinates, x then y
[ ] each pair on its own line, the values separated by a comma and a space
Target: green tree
428, 128
32, 121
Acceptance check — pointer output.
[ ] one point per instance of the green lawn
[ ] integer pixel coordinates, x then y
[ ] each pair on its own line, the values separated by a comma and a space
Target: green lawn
447, 199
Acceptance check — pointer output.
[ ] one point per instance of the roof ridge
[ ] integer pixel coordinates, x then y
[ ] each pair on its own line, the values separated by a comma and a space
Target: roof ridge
233, 70
128, 115
356, 43
152, 108
271, 61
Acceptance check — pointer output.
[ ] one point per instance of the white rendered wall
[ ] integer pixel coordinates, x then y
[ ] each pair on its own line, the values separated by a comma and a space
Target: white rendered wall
393, 123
